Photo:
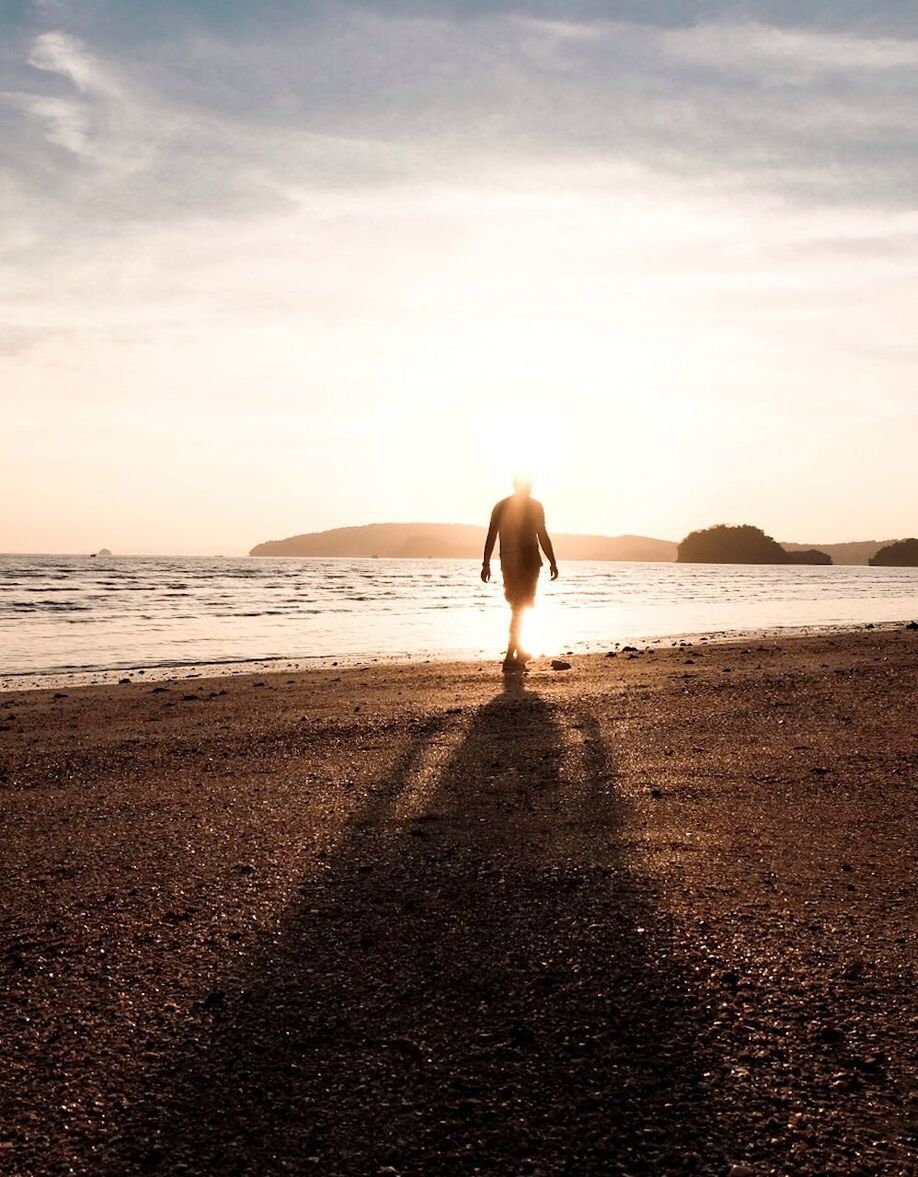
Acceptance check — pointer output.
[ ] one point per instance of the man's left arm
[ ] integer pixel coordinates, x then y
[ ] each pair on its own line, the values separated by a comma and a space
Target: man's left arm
489, 544
547, 548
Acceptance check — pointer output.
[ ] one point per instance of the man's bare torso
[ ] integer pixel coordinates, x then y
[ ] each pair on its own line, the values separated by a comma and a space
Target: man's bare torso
518, 521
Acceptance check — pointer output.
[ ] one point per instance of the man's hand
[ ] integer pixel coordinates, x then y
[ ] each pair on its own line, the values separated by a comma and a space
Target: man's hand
554, 571
486, 571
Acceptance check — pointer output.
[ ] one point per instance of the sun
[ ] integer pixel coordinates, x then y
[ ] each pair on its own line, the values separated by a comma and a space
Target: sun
525, 440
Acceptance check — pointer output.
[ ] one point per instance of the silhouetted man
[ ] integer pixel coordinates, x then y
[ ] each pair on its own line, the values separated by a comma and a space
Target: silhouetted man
520, 522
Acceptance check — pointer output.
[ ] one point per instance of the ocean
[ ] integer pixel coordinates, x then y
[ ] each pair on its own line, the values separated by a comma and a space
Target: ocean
74, 615
65, 614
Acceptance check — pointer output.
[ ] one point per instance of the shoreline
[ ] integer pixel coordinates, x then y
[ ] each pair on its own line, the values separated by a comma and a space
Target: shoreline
56, 679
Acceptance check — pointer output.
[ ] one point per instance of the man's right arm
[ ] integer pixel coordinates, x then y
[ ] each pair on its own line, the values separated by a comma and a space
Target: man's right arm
545, 541
489, 544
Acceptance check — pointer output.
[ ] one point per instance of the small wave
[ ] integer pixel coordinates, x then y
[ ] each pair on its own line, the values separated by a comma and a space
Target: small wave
47, 606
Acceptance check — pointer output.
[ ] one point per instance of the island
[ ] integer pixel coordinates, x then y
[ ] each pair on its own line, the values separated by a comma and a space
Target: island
902, 553
807, 556
741, 544
856, 551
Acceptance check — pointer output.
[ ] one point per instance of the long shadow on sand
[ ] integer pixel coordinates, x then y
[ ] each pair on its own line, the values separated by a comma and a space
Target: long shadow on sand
476, 984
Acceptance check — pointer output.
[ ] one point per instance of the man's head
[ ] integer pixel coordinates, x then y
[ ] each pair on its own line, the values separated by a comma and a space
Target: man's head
522, 483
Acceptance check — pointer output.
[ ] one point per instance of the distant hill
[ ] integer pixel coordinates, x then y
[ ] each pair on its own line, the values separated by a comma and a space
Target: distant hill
807, 556
853, 552
901, 554
453, 540
742, 543
856, 552
464, 541
730, 544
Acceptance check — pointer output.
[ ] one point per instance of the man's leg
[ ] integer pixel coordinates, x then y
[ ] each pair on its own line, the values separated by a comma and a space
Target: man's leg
516, 620
513, 639
515, 652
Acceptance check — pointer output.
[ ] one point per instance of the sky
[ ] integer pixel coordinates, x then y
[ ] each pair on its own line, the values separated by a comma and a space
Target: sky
276, 267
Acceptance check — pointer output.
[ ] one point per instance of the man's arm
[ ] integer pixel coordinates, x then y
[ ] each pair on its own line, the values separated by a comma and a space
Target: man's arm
545, 541
489, 544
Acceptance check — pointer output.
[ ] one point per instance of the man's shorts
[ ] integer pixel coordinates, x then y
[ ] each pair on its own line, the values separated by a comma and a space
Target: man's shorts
520, 584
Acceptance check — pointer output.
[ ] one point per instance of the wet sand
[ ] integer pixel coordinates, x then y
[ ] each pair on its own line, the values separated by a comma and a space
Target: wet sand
653, 914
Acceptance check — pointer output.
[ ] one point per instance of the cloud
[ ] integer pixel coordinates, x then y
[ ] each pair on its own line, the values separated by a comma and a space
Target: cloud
218, 121
67, 123
92, 114
155, 181
357, 114
759, 49
58, 53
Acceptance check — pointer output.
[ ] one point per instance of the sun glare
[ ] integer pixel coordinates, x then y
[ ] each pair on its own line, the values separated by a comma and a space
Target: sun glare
524, 439
540, 634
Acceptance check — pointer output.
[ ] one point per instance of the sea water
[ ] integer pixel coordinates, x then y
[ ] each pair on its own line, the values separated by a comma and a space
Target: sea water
65, 614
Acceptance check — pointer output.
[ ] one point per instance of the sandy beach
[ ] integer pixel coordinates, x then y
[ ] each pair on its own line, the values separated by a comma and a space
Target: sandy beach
653, 914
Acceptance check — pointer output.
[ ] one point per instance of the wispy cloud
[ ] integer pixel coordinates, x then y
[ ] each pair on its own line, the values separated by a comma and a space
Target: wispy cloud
236, 123
805, 53
67, 123
90, 112
61, 54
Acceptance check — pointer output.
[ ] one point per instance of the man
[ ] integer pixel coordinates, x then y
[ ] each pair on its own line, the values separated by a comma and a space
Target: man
520, 522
